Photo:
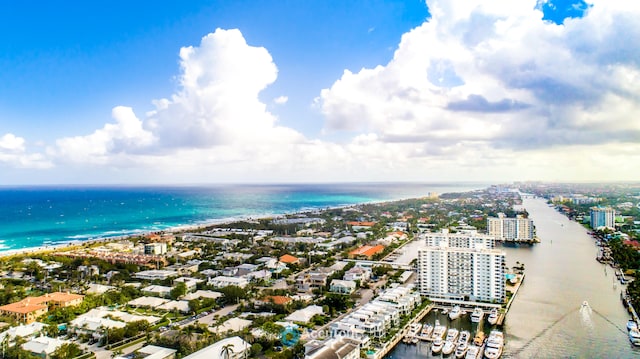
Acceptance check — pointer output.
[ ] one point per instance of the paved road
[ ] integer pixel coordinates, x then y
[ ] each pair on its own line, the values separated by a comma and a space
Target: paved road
211, 318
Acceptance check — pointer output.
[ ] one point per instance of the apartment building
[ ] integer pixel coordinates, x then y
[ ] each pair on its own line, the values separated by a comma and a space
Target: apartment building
602, 217
455, 269
511, 229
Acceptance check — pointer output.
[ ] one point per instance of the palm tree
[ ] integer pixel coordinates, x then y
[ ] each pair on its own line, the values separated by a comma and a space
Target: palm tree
227, 351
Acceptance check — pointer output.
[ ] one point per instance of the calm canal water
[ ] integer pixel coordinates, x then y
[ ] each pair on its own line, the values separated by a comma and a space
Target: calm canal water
546, 320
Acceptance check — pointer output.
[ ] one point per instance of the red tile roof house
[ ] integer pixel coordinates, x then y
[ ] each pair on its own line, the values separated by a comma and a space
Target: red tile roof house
289, 259
366, 251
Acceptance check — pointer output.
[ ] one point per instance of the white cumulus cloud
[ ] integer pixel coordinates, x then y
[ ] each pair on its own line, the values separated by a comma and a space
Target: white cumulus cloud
494, 77
13, 152
281, 100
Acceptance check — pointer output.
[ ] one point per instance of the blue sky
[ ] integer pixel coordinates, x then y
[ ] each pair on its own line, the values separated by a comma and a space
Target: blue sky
291, 91
79, 61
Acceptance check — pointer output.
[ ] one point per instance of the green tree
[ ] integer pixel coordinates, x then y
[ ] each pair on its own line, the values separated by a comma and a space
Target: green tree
66, 351
178, 291
226, 351
232, 294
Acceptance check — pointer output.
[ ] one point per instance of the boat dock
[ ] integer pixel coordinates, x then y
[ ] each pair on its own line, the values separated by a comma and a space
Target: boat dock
514, 290
388, 346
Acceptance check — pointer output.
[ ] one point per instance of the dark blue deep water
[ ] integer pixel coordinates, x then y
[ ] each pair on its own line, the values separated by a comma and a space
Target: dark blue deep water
37, 216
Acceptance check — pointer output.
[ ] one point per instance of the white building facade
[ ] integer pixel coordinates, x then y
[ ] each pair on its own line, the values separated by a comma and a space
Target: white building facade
462, 270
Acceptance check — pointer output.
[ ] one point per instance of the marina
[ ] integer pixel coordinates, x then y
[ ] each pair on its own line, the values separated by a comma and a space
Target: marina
547, 318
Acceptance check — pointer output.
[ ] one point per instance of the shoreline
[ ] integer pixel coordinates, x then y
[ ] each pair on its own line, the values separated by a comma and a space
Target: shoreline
70, 244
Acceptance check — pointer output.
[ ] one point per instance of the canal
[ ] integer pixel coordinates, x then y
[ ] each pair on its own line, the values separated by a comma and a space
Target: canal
547, 319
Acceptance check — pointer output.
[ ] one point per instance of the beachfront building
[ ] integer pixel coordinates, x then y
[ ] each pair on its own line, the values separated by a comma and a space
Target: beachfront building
602, 217
461, 270
30, 308
511, 229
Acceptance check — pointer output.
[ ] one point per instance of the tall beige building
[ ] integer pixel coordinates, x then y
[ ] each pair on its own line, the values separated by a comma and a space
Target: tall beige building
511, 229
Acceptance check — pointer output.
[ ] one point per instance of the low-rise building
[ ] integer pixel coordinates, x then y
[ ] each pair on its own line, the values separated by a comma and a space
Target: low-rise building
43, 347
155, 248
304, 315
152, 352
156, 274
342, 286
157, 291
339, 347
25, 331
191, 283
30, 308
228, 348
366, 251
358, 274
224, 281
289, 259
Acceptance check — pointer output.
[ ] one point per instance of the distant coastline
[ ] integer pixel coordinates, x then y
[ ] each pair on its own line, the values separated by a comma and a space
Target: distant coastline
140, 210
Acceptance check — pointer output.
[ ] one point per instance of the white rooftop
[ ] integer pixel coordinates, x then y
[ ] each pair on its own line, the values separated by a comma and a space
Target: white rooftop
215, 350
147, 302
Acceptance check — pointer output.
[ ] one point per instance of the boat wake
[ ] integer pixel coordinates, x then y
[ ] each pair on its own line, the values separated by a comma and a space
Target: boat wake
585, 315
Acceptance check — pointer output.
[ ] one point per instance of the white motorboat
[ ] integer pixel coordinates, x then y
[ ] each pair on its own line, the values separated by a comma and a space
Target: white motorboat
455, 313
477, 315
449, 347
438, 343
464, 337
452, 334
493, 316
632, 324
585, 304
445, 311
634, 336
461, 350
438, 331
495, 343
427, 330
473, 352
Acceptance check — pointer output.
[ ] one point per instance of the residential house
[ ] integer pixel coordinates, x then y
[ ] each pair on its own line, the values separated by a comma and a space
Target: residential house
43, 347
342, 286
366, 251
228, 348
30, 308
191, 283
358, 274
339, 347
224, 281
289, 259
157, 291
304, 315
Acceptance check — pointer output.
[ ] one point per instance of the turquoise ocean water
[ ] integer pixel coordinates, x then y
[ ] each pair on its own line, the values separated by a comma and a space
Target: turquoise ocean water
37, 216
